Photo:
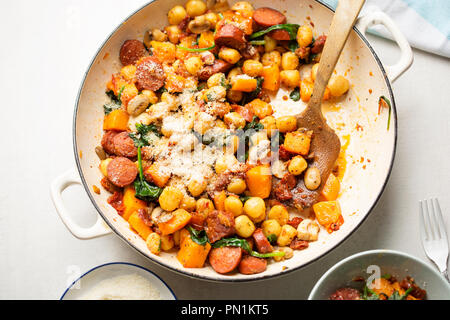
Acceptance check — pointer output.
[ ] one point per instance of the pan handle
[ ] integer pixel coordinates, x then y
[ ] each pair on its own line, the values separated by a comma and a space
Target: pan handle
57, 187
406, 55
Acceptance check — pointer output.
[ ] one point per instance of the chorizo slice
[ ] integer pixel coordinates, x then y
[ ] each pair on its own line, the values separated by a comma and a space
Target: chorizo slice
267, 17
216, 67
149, 74
225, 259
298, 244
252, 265
280, 34
229, 35
262, 244
124, 145
121, 171
131, 51
346, 294
318, 44
219, 224
108, 141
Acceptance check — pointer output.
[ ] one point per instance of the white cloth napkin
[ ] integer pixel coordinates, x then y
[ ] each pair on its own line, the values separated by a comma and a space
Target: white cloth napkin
425, 23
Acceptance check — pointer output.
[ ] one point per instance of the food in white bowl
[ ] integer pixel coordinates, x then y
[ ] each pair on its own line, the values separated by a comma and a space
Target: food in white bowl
118, 281
125, 287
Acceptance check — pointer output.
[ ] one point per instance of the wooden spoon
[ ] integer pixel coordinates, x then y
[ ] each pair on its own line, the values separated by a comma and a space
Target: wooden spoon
325, 144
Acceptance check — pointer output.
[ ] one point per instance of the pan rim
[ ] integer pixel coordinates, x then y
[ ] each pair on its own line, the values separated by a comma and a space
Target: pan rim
253, 277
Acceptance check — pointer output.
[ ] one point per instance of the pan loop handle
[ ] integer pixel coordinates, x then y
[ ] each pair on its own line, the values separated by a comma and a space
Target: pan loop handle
406, 54
57, 187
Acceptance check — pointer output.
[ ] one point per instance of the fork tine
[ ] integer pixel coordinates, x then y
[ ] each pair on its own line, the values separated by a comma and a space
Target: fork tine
440, 220
428, 222
423, 228
434, 221
431, 221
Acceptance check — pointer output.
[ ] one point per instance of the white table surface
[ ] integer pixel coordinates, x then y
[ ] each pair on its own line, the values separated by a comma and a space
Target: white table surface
47, 46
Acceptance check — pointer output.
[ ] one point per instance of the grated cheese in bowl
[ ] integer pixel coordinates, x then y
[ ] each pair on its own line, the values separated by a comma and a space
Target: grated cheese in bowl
125, 287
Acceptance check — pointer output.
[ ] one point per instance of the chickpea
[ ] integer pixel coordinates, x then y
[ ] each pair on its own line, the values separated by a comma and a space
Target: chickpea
158, 35
314, 69
176, 15
271, 226
216, 80
225, 162
288, 253
286, 123
270, 43
235, 96
338, 85
153, 242
229, 55
237, 186
232, 143
234, 119
312, 178
234, 205
242, 6
255, 208
195, 8
204, 206
244, 226
104, 165
290, 78
128, 72
151, 96
199, 24
212, 18
272, 57
308, 230
269, 124
279, 213
170, 198
252, 68
174, 33
233, 73
197, 186
304, 36
220, 124
215, 93
289, 61
297, 165
257, 137
188, 203
167, 242
286, 236
193, 64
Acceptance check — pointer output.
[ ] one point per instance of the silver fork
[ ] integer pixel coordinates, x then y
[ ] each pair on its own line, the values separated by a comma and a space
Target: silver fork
433, 234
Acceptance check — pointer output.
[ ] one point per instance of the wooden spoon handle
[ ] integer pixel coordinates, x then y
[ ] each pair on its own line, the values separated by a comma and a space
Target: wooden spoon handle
346, 13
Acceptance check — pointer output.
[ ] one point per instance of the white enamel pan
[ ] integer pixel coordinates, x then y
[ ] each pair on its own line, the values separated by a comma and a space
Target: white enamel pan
370, 153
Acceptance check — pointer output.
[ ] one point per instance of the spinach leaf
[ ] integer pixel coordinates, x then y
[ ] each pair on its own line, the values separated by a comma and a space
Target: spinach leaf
369, 294
272, 238
198, 236
254, 94
295, 94
397, 296
144, 190
244, 198
254, 125
139, 138
289, 27
293, 45
242, 243
109, 107
233, 242
113, 97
